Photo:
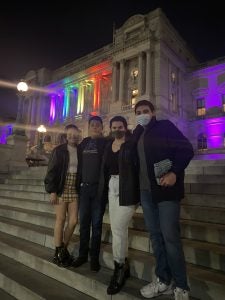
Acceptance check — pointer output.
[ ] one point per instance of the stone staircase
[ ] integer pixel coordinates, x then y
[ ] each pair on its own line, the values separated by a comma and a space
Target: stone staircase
26, 242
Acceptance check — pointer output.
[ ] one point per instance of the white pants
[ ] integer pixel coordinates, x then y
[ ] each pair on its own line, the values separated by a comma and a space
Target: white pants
120, 217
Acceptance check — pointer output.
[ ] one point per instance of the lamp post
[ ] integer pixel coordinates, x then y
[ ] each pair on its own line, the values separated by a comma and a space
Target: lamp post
22, 88
41, 130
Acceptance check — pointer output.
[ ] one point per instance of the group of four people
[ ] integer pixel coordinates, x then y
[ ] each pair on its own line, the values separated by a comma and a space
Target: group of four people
145, 167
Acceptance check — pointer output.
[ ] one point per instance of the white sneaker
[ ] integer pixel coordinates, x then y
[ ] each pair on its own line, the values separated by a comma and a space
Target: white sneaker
156, 288
181, 294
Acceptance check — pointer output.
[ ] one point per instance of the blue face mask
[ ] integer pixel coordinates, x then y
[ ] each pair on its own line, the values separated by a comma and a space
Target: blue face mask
143, 119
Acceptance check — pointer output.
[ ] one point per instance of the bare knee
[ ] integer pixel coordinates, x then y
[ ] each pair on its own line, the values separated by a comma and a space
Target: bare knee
60, 221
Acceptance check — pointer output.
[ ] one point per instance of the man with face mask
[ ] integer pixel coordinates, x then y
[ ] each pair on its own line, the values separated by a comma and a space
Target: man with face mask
119, 176
164, 153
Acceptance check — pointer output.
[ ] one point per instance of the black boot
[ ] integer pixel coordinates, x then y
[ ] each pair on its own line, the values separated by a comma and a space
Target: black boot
121, 273
62, 257
67, 256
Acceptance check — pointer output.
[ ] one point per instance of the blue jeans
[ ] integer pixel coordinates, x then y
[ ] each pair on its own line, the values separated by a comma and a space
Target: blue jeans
162, 222
91, 212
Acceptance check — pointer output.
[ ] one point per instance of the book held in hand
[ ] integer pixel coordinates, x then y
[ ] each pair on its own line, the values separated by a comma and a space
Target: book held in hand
161, 168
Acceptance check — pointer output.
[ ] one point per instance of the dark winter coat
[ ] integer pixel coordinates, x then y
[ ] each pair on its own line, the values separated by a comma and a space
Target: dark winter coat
57, 170
163, 140
129, 193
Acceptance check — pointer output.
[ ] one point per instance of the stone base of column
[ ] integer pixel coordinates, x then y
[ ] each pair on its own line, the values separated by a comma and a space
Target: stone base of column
17, 152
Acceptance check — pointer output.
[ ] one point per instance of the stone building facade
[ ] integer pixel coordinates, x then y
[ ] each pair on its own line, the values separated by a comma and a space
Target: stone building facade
147, 59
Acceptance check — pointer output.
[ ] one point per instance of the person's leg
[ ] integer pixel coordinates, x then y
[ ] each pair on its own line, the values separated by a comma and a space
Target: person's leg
72, 211
162, 284
60, 257
97, 212
85, 223
151, 217
169, 214
60, 217
120, 217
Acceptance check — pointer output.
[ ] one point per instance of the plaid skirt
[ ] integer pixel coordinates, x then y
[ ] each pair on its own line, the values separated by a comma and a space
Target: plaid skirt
69, 193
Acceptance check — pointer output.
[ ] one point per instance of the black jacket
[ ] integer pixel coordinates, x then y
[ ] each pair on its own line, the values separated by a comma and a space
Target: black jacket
101, 143
129, 193
57, 170
163, 140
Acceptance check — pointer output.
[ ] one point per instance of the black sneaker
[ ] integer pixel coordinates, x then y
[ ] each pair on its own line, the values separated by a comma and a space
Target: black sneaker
95, 265
79, 261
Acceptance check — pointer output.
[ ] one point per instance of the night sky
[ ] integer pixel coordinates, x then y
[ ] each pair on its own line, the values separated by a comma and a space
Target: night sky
43, 35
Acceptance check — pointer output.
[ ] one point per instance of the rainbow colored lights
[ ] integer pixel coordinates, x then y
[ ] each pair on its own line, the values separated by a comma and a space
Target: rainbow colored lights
78, 96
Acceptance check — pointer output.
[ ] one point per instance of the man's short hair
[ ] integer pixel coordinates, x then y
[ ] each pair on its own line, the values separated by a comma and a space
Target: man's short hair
118, 119
144, 102
95, 118
71, 126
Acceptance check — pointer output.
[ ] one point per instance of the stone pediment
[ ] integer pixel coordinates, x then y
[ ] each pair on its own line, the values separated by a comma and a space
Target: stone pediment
133, 21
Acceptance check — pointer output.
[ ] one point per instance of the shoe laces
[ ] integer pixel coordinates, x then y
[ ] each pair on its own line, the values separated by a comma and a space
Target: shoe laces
155, 285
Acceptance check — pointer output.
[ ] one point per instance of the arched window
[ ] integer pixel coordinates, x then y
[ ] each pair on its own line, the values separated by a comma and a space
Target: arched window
202, 141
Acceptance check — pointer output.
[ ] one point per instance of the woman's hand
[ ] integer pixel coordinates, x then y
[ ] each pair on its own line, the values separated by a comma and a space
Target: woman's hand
54, 198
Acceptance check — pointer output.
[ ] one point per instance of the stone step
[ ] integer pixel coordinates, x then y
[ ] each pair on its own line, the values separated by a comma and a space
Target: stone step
191, 178
214, 161
30, 182
205, 188
38, 258
23, 187
203, 281
199, 278
27, 176
36, 205
41, 213
33, 285
203, 213
205, 170
214, 201
190, 188
24, 195
196, 252
6, 296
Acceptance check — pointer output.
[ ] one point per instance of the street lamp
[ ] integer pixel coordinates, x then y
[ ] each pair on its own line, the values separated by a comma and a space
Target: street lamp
41, 130
22, 88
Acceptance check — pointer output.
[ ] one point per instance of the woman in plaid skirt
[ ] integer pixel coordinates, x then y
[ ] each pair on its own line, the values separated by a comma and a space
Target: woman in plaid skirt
60, 183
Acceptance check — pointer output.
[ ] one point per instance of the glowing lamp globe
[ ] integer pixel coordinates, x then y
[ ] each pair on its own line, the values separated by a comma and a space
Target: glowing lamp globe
22, 86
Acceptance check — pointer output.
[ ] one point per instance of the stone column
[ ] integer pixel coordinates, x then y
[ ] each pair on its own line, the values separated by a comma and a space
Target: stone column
148, 72
114, 80
121, 85
29, 111
140, 73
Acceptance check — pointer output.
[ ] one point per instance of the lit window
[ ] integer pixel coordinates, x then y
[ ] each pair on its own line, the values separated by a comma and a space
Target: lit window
201, 107
202, 142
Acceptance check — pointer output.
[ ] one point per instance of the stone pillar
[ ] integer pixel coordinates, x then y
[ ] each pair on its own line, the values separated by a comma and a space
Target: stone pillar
19, 110
121, 85
140, 73
33, 109
29, 111
114, 80
148, 72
